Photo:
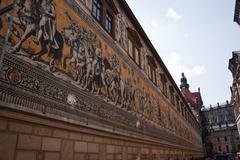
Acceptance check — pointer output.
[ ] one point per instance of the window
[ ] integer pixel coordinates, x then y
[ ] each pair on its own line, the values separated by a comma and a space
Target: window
163, 84
219, 148
181, 104
96, 11
182, 109
108, 23
177, 103
218, 139
227, 148
225, 138
152, 73
134, 45
171, 90
137, 56
130, 48
186, 114
103, 11
133, 52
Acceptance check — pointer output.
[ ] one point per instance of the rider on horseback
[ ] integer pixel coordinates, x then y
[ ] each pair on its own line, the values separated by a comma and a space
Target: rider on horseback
47, 24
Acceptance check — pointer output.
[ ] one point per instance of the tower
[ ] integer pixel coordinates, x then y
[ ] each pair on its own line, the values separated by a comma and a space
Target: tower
193, 98
184, 83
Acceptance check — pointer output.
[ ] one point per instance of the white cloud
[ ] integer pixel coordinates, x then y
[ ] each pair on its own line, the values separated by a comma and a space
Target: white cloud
171, 13
176, 67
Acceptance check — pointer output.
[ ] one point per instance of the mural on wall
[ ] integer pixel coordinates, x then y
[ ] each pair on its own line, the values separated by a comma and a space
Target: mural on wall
74, 50
38, 19
121, 30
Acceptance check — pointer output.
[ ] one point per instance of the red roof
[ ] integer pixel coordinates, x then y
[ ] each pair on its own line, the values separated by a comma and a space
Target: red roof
193, 98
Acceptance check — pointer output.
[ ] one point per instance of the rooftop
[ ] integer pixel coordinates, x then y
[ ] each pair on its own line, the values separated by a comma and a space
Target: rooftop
217, 106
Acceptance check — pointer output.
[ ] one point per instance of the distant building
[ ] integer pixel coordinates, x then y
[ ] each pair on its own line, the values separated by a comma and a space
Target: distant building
234, 64
237, 12
220, 123
194, 99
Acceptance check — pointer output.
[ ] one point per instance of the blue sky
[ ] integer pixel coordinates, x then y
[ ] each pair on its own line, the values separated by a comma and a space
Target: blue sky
195, 37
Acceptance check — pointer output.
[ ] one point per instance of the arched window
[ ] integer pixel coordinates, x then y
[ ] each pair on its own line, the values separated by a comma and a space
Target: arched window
171, 91
178, 102
152, 69
134, 46
163, 84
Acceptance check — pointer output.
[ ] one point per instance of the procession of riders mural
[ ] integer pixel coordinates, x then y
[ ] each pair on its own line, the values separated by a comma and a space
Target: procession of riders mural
51, 35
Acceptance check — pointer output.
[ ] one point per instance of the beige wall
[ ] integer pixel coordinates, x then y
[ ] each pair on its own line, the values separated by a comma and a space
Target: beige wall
24, 137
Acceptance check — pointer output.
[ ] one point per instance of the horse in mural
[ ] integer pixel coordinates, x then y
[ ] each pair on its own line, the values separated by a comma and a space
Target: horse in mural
128, 94
81, 53
38, 18
92, 71
97, 73
112, 78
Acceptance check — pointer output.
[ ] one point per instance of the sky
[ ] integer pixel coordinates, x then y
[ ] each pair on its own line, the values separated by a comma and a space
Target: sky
194, 37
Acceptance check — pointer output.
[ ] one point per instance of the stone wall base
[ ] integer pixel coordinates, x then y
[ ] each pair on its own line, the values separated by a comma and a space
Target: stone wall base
27, 137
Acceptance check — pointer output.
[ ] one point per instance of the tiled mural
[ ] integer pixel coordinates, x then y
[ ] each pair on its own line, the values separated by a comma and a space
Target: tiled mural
49, 34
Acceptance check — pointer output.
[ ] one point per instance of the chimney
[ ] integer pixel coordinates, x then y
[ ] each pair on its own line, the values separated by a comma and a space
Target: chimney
218, 104
199, 89
227, 102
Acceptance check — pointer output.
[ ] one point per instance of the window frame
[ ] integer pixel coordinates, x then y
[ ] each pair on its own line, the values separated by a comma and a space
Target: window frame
135, 47
104, 11
225, 138
95, 4
171, 91
220, 148
177, 102
227, 148
152, 74
108, 23
163, 80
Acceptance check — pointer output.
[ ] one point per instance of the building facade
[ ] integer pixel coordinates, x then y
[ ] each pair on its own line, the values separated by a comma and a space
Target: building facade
222, 130
235, 88
81, 80
233, 66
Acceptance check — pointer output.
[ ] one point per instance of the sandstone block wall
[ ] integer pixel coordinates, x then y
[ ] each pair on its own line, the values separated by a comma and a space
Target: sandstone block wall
35, 138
